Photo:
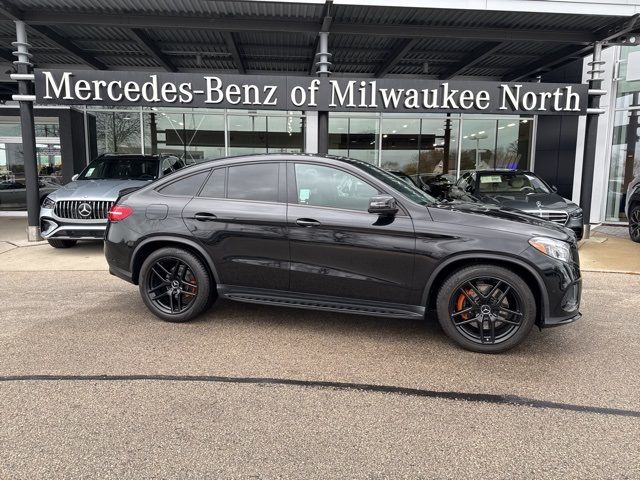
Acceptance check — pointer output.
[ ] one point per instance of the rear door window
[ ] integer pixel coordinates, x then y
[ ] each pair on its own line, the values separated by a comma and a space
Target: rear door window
256, 181
186, 186
214, 187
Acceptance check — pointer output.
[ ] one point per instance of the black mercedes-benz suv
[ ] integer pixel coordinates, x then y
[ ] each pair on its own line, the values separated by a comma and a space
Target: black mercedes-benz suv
341, 235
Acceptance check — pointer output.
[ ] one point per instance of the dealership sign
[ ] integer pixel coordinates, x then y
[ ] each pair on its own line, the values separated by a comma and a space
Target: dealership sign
76, 87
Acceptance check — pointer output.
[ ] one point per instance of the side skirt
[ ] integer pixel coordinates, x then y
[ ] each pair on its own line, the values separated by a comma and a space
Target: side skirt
320, 302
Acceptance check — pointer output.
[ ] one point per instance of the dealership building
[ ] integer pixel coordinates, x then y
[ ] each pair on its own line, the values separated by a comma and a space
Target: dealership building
536, 50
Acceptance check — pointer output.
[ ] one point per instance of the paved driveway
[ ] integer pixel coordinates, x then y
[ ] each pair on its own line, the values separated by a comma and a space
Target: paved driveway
91, 385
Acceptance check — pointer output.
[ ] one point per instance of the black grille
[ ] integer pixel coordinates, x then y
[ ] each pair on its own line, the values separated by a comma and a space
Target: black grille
72, 208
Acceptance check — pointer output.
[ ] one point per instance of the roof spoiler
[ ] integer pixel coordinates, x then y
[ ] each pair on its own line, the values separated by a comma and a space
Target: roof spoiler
127, 191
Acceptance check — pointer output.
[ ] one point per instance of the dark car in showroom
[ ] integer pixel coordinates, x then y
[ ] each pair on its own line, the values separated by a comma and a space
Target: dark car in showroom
341, 235
525, 191
78, 210
13, 193
632, 208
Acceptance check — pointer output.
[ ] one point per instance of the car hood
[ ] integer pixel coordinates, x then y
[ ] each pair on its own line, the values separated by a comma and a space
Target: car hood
494, 217
95, 189
528, 201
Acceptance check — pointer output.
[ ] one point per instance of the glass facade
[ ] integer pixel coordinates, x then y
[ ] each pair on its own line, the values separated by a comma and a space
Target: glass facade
496, 143
197, 134
625, 145
12, 185
431, 145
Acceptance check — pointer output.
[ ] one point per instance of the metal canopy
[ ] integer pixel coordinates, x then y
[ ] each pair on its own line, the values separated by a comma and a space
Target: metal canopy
267, 37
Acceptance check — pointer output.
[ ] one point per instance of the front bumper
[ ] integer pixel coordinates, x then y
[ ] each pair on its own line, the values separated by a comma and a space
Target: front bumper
557, 322
54, 227
561, 287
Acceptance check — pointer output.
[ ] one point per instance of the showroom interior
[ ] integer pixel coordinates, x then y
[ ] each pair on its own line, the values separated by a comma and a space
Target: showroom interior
365, 40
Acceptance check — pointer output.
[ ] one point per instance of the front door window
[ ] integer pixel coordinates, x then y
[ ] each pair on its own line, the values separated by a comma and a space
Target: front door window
321, 186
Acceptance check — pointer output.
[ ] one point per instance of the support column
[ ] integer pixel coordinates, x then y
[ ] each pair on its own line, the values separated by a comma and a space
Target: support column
25, 98
591, 136
323, 71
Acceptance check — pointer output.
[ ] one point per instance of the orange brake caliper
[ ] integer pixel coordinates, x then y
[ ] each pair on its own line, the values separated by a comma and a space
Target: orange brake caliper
460, 304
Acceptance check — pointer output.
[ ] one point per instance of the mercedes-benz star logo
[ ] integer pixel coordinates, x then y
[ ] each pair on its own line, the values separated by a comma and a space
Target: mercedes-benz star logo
539, 204
84, 209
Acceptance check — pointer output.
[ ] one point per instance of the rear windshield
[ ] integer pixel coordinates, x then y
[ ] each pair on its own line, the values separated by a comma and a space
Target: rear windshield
511, 182
121, 168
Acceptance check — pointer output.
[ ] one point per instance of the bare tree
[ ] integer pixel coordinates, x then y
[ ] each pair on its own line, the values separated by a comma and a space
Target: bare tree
121, 130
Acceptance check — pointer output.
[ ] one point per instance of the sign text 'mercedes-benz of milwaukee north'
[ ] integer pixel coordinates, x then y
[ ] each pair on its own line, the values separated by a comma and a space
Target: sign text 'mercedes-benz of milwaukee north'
306, 93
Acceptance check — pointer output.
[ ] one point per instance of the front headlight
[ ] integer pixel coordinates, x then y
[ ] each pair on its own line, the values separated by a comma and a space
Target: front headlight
554, 248
48, 203
577, 213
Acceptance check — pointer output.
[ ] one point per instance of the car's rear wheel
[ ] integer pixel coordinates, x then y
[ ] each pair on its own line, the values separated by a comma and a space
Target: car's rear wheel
486, 308
634, 223
56, 243
175, 285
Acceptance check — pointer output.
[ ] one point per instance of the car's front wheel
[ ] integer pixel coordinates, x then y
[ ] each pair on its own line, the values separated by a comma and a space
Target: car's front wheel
634, 223
56, 243
175, 284
486, 308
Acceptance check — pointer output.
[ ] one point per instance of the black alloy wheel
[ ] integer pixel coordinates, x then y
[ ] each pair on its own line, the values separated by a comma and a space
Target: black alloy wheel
634, 223
175, 284
486, 308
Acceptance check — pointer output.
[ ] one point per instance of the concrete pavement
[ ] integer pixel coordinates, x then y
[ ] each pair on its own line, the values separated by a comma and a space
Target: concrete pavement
79, 323
93, 386
610, 253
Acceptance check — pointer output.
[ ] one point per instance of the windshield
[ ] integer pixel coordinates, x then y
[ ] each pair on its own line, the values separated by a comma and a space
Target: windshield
511, 182
121, 168
410, 191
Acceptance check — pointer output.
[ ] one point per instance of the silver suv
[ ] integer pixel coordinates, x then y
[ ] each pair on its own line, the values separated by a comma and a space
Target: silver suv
78, 210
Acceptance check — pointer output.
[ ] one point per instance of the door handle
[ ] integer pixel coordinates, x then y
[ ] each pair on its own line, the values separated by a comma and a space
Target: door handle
307, 222
205, 217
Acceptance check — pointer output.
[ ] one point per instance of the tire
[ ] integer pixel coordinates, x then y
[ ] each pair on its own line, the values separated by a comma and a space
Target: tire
634, 223
62, 243
469, 302
175, 285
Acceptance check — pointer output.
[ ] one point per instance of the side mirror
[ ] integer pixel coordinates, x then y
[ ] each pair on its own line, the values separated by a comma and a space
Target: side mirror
75, 177
383, 205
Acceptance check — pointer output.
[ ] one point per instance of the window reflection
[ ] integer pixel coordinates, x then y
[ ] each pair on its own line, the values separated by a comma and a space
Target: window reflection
438, 147
625, 147
423, 146
203, 136
400, 144
13, 193
118, 132
265, 134
625, 162
490, 144
355, 137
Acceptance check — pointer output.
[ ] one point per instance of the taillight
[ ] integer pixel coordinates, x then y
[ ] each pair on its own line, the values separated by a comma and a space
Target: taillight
118, 212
